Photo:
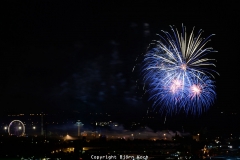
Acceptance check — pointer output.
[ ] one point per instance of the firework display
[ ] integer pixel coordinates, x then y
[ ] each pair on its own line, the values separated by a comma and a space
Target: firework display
177, 75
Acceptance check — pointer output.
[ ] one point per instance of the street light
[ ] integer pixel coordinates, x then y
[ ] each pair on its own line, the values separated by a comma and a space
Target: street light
198, 137
5, 128
19, 127
34, 127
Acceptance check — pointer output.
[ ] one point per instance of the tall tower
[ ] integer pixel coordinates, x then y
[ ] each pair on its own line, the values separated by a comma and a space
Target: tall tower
42, 124
79, 124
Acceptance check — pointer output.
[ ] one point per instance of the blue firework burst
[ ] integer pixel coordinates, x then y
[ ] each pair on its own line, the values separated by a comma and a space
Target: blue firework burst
177, 75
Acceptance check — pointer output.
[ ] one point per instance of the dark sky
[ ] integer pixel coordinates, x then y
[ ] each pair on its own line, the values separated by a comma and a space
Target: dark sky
79, 56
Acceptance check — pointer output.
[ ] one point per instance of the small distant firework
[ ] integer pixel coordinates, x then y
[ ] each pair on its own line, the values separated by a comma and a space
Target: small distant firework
176, 74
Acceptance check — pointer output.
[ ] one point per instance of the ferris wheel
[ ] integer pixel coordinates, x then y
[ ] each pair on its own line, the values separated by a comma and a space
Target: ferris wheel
16, 128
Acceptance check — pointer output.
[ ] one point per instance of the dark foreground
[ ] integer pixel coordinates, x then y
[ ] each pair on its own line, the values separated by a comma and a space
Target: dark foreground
36, 148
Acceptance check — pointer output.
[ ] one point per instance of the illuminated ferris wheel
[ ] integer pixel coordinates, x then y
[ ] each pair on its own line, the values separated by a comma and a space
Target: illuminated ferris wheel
16, 128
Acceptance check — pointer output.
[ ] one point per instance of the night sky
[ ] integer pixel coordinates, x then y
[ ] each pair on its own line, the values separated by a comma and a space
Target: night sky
79, 56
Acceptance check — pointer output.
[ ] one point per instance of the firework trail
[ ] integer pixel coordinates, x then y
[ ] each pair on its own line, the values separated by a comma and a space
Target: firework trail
176, 73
